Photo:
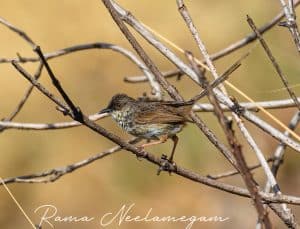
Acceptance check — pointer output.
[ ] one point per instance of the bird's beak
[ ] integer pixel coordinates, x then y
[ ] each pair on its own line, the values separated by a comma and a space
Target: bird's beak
106, 110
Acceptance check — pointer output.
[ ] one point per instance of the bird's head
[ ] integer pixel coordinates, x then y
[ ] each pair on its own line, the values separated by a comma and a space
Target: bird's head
117, 103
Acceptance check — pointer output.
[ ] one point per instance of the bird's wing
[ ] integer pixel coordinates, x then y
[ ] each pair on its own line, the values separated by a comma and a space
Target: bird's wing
163, 113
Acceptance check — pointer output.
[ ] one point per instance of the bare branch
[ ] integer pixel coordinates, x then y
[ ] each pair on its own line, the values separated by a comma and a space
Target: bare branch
18, 31
272, 104
233, 172
47, 126
56, 173
279, 152
274, 62
40, 87
291, 21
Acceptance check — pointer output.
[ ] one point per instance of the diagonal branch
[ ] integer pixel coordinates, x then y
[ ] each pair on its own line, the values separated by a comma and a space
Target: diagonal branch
274, 62
291, 23
75, 111
56, 173
20, 32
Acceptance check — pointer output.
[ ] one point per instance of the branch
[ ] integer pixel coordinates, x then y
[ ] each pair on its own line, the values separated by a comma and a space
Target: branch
272, 104
56, 173
233, 172
284, 213
274, 62
291, 21
47, 126
279, 152
20, 32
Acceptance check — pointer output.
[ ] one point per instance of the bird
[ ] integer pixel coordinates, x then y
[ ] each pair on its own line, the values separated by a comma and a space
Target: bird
154, 121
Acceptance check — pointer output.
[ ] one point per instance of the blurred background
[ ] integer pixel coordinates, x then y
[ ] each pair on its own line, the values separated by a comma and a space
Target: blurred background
92, 77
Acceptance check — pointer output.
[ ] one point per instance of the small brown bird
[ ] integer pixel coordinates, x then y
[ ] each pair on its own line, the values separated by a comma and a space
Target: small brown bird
150, 120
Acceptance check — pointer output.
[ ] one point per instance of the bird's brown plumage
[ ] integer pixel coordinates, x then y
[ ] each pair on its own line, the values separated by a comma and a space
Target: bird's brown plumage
164, 112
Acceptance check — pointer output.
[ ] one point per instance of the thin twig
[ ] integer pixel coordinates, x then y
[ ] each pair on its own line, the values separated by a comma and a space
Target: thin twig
56, 173
47, 126
233, 172
20, 32
272, 104
75, 111
218, 81
279, 152
138, 79
40, 87
278, 156
273, 60
291, 22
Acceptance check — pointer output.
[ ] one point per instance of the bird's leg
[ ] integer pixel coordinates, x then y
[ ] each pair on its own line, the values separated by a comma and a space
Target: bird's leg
161, 140
175, 140
168, 164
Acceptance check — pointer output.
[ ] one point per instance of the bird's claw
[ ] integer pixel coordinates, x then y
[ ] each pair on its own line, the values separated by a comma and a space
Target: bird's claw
167, 164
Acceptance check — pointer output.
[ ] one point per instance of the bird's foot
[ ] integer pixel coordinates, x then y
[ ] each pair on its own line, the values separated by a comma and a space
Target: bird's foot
167, 164
143, 153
